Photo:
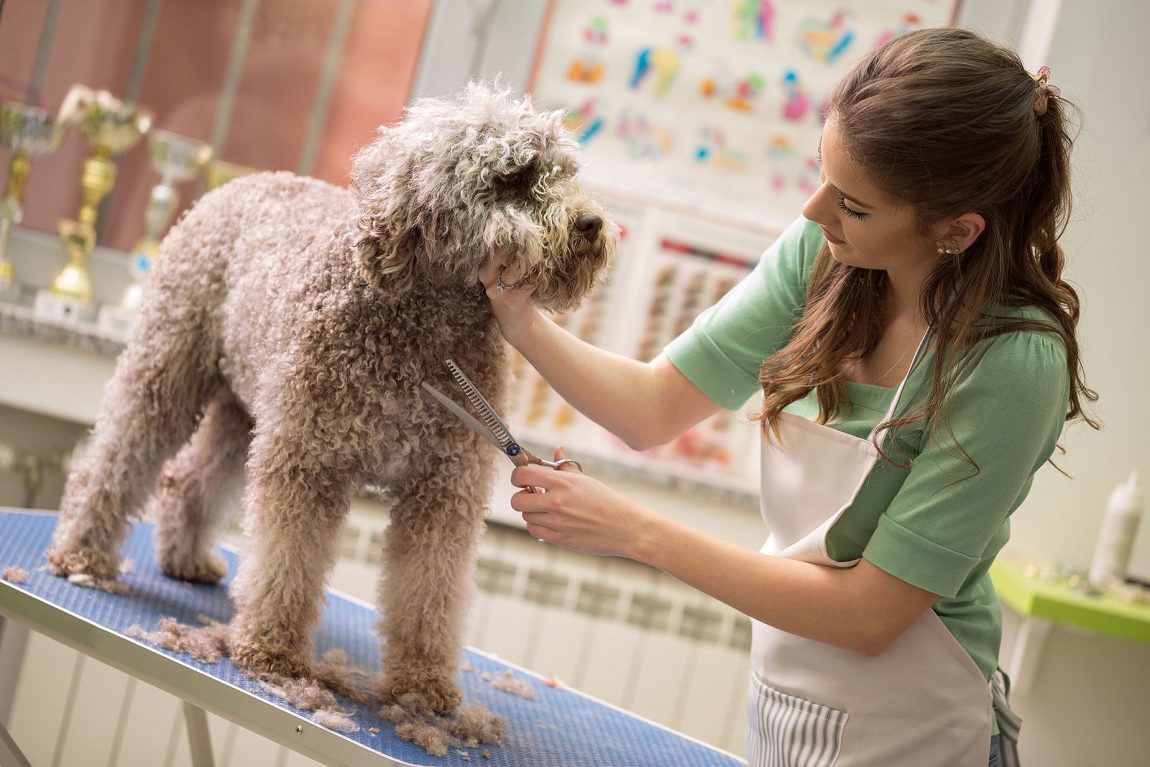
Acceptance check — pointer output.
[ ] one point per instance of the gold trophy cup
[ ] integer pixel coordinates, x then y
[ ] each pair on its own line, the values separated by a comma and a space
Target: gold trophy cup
221, 172
177, 159
111, 127
27, 132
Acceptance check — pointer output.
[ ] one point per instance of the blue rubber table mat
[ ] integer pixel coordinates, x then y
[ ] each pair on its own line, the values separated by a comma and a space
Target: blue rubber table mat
559, 727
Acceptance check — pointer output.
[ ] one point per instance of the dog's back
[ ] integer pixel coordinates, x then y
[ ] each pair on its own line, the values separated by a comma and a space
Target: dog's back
252, 254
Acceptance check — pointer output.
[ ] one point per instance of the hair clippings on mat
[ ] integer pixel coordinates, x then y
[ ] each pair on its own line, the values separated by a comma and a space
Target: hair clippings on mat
1045, 91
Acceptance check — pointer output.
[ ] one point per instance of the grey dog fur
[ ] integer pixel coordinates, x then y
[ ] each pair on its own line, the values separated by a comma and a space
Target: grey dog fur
287, 326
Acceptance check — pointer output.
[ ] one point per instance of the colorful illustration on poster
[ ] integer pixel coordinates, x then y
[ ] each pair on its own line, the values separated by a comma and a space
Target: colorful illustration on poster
715, 104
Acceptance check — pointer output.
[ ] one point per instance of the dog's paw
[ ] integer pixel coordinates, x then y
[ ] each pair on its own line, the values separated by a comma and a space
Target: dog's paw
423, 693
258, 658
202, 568
99, 564
469, 726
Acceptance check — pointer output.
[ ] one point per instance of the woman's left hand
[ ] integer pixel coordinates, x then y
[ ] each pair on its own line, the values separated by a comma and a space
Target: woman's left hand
580, 513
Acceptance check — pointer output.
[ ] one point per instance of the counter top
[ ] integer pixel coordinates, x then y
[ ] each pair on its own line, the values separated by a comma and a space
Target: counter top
17, 318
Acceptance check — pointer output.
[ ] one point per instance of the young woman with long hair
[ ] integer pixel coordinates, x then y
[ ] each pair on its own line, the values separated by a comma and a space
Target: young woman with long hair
914, 340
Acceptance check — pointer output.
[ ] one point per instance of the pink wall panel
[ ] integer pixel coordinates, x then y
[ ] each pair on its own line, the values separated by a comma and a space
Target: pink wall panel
380, 56
185, 72
96, 41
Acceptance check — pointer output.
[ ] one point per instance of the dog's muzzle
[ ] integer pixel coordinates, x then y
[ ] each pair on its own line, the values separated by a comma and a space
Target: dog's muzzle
588, 225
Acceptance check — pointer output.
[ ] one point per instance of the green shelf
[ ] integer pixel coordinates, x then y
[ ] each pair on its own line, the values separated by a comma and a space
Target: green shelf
1057, 601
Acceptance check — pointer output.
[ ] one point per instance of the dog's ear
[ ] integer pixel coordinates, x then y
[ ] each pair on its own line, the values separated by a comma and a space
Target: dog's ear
389, 233
386, 252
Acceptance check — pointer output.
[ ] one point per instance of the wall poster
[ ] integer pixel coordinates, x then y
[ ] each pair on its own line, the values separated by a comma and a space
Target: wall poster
715, 105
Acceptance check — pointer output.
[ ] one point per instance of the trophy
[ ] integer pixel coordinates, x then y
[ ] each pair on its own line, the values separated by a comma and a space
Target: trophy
177, 159
111, 127
27, 132
221, 172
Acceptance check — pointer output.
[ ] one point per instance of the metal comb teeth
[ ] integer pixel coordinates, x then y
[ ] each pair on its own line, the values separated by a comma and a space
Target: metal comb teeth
482, 407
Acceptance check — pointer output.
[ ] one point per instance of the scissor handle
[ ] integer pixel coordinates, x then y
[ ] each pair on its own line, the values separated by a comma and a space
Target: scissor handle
525, 457
558, 465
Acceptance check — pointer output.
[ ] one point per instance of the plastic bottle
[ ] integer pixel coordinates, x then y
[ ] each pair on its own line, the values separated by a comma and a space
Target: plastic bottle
1116, 538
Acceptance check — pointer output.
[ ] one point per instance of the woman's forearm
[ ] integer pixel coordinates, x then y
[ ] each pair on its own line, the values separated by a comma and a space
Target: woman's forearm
644, 404
859, 608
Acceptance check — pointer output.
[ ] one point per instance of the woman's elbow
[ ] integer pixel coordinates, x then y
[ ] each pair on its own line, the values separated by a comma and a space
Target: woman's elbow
648, 437
874, 645
875, 638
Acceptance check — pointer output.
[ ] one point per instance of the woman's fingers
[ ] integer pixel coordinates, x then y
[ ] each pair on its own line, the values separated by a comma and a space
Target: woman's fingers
489, 272
565, 463
498, 276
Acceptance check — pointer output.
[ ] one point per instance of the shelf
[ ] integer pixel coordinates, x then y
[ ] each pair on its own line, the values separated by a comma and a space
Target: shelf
1032, 597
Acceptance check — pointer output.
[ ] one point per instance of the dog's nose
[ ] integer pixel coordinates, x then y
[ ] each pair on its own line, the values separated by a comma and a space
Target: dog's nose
588, 225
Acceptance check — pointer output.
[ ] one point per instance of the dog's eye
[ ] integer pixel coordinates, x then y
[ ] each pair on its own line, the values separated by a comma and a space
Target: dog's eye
517, 181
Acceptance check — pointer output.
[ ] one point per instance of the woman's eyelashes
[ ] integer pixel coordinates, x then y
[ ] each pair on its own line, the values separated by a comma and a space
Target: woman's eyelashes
842, 203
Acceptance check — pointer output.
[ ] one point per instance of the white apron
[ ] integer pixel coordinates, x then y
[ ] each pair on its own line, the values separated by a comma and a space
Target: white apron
922, 703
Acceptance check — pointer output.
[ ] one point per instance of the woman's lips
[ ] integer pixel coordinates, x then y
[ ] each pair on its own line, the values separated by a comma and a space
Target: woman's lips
831, 238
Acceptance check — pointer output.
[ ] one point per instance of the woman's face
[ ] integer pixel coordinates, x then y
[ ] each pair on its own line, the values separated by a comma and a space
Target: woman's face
863, 225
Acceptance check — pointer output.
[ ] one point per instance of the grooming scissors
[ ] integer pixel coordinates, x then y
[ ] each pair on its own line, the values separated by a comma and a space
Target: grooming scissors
489, 425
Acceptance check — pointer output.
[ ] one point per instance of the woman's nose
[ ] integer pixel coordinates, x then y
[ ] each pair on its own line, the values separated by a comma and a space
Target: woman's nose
814, 208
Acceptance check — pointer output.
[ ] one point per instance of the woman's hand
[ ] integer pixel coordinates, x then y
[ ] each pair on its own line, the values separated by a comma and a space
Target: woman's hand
580, 513
509, 302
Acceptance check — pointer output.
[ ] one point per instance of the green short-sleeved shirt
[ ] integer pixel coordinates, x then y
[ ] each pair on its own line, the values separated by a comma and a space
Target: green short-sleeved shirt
939, 524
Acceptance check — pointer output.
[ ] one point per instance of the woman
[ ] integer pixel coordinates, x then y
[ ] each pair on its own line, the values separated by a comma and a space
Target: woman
915, 344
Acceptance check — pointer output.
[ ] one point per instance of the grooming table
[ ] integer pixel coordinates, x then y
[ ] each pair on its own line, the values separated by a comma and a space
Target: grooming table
559, 727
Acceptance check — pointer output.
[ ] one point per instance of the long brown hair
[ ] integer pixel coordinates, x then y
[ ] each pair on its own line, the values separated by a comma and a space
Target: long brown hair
947, 122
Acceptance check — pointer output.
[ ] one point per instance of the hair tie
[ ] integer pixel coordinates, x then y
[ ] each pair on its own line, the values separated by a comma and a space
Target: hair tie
1045, 92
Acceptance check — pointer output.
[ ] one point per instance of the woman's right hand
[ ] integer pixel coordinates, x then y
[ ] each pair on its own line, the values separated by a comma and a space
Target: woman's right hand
510, 303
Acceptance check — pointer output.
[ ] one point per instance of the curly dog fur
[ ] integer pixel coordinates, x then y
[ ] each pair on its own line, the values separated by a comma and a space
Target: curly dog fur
287, 327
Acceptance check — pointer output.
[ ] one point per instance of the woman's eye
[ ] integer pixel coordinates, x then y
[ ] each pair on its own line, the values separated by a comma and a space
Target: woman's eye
850, 211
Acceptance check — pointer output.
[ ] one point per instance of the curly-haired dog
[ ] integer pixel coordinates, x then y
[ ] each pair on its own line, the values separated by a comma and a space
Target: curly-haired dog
291, 321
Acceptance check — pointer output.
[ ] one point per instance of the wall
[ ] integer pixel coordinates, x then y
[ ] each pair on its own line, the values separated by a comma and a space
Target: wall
1089, 702
1099, 59
270, 84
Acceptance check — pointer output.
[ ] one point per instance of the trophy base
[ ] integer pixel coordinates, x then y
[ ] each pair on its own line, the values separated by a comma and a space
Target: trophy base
50, 306
9, 286
115, 320
132, 298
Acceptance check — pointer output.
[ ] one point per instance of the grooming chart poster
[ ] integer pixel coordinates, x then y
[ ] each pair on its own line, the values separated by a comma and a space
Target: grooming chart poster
712, 104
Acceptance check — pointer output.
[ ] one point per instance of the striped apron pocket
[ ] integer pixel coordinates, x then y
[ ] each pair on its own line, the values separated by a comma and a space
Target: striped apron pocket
786, 731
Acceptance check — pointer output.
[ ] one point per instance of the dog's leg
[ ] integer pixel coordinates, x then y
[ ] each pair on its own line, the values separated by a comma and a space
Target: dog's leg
427, 582
196, 491
293, 510
149, 408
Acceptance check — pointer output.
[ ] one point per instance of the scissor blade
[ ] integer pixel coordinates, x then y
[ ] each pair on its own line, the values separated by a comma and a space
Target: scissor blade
463, 415
487, 414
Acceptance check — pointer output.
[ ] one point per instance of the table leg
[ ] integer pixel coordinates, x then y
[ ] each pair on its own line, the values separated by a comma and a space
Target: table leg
199, 738
13, 640
10, 753
1027, 650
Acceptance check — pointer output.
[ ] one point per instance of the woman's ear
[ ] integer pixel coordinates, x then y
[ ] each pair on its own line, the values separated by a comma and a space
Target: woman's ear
963, 231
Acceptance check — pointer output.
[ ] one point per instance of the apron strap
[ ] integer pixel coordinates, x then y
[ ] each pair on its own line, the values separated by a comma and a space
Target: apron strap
877, 436
1008, 722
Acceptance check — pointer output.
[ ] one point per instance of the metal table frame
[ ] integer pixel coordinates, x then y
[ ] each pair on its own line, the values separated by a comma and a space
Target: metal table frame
200, 692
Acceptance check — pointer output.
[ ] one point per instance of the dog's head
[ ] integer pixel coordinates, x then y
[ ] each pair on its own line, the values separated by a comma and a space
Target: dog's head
458, 180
